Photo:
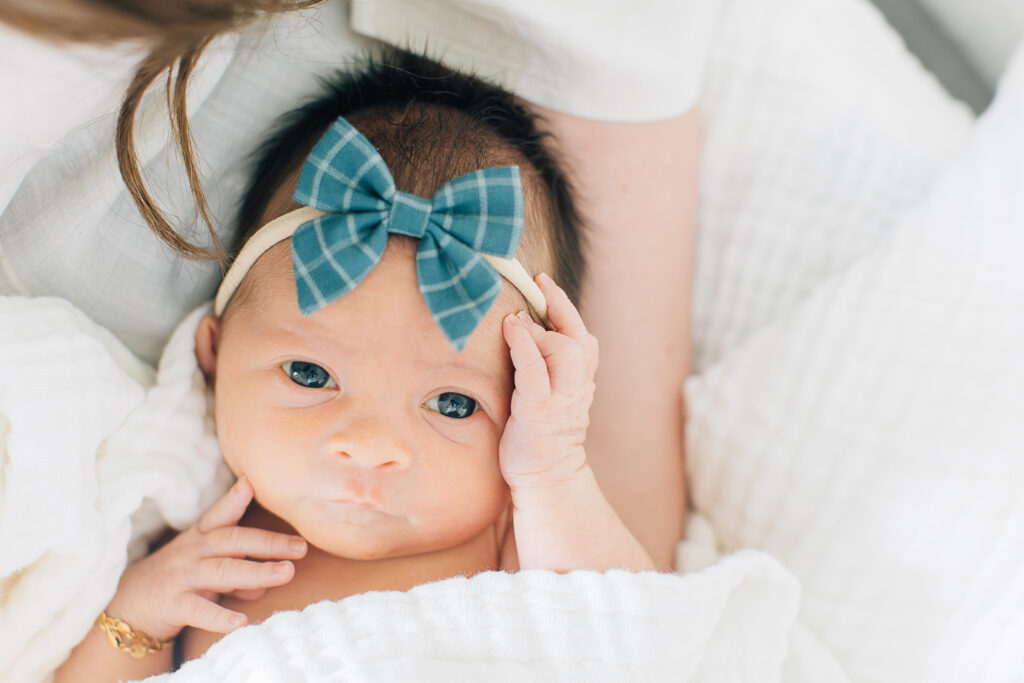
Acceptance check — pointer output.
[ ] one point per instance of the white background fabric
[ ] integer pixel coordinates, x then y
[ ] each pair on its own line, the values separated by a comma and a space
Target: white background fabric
71, 230
97, 451
598, 60
859, 324
987, 30
39, 81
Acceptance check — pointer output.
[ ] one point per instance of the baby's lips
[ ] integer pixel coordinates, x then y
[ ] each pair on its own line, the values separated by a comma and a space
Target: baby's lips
355, 490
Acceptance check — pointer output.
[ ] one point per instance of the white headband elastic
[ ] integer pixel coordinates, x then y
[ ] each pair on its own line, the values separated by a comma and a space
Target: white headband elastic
282, 228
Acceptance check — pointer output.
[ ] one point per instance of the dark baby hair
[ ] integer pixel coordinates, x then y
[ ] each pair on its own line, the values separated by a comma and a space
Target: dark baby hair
430, 124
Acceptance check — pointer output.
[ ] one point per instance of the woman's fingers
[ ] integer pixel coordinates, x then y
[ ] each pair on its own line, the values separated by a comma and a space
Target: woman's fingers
229, 509
240, 541
201, 613
227, 574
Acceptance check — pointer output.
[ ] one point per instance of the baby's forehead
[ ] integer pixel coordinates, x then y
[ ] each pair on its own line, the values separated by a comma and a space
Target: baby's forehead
377, 307
266, 279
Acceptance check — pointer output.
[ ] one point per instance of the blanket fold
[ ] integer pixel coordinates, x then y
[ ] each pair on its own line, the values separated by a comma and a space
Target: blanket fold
727, 623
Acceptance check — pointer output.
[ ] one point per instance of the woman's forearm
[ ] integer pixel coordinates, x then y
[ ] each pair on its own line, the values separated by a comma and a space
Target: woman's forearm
637, 189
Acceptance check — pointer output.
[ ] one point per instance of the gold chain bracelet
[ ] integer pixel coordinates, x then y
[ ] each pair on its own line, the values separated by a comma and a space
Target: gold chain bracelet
136, 643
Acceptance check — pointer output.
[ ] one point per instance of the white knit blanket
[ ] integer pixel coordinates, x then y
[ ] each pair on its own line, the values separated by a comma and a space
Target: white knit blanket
859, 407
97, 453
727, 623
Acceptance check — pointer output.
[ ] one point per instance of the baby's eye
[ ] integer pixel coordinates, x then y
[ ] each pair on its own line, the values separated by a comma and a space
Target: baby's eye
308, 375
451, 404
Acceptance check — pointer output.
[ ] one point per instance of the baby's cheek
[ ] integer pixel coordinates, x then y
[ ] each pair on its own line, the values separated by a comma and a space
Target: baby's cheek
494, 495
467, 501
247, 438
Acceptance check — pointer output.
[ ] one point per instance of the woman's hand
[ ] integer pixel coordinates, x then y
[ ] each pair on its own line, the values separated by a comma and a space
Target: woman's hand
179, 584
542, 445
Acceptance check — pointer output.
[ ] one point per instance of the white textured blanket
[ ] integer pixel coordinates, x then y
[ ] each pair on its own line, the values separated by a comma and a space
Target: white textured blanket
859, 411
728, 623
92, 444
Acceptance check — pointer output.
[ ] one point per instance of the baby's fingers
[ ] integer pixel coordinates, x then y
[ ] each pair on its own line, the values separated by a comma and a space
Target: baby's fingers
566, 319
546, 362
248, 593
229, 509
564, 357
531, 374
563, 315
238, 541
227, 574
201, 613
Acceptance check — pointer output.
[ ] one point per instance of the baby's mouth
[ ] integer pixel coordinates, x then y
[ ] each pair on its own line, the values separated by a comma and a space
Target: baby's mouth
356, 491
356, 503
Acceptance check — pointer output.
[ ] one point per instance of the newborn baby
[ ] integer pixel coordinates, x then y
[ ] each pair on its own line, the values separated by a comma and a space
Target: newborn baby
401, 391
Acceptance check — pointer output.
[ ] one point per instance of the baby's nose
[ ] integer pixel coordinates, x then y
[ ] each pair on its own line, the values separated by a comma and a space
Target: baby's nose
373, 458
373, 449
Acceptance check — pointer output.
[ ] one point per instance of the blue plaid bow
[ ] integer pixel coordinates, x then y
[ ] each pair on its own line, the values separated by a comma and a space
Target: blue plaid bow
345, 176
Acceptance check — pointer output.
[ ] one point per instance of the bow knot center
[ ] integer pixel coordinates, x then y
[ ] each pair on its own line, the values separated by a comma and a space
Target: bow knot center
409, 215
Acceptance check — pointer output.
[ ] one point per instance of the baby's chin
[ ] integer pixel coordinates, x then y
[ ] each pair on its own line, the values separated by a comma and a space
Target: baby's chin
379, 542
362, 547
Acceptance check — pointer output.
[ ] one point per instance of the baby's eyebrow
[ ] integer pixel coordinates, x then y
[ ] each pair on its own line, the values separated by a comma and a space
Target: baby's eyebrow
488, 382
456, 367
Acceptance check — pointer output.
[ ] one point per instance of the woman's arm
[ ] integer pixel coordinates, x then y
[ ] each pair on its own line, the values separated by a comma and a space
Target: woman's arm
637, 189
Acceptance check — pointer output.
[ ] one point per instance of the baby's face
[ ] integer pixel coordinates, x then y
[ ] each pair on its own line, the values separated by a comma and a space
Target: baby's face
360, 425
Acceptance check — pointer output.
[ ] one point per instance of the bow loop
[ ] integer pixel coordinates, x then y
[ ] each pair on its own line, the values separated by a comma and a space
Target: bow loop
345, 173
478, 212
484, 209
409, 215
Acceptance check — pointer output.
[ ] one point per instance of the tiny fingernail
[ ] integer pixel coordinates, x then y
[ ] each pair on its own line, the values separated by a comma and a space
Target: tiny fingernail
237, 620
546, 278
523, 315
297, 544
281, 567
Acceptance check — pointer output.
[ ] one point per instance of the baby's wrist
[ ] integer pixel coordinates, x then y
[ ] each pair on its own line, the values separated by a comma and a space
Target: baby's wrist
549, 488
133, 613
570, 525
542, 470
128, 639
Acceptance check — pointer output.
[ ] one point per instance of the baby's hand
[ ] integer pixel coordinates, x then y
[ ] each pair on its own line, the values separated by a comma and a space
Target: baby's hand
179, 584
542, 445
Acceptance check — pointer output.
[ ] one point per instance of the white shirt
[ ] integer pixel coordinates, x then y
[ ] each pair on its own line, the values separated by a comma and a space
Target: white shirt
69, 228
